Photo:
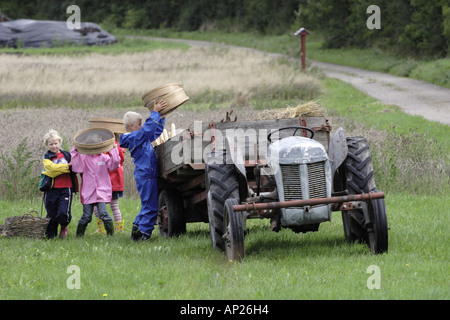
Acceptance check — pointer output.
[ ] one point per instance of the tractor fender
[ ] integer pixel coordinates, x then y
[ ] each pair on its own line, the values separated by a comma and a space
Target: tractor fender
337, 150
236, 157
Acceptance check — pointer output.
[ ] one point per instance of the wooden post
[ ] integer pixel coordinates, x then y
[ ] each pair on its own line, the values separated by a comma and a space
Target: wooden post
303, 52
302, 32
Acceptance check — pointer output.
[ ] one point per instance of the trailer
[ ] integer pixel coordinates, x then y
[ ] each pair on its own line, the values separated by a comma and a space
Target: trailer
291, 171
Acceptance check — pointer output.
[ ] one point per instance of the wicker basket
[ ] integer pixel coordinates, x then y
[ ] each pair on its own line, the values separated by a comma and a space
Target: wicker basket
115, 125
174, 100
172, 93
94, 140
151, 96
26, 225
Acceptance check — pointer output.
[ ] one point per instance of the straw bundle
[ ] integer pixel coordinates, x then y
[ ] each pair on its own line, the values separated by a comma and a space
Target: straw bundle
166, 135
308, 109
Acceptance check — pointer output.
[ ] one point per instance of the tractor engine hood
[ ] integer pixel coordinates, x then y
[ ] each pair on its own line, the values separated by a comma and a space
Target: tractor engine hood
296, 150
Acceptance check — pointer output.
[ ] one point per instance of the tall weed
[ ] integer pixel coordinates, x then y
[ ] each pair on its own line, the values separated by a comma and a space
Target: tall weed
411, 162
406, 161
18, 180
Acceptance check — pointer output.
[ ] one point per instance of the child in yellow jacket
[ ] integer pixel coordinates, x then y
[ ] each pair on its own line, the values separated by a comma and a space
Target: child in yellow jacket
58, 197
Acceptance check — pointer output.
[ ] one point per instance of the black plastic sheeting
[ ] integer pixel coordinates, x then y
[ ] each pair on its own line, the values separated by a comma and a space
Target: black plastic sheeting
43, 33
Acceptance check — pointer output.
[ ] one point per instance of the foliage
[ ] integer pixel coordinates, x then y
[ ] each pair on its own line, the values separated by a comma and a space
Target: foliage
446, 24
412, 27
17, 170
263, 16
415, 28
425, 33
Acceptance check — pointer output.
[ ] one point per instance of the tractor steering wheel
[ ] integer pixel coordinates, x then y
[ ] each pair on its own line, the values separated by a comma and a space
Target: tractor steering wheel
296, 128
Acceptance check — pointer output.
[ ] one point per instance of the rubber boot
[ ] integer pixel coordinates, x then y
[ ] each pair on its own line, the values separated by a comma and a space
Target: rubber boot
118, 226
81, 228
100, 227
63, 232
135, 233
109, 227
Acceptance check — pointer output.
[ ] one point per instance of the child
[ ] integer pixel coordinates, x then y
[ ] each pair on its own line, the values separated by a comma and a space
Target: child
58, 199
118, 184
138, 141
95, 185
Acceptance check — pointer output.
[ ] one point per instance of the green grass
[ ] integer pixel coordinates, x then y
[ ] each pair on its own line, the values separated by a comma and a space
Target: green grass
123, 45
282, 265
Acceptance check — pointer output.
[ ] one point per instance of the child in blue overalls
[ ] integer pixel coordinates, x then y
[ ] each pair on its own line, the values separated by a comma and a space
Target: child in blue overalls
138, 141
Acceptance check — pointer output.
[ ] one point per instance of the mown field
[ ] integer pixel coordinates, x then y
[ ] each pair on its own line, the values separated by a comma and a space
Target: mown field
63, 90
277, 266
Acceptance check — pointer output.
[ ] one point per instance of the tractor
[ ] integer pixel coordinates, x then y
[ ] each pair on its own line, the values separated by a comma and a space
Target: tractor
291, 171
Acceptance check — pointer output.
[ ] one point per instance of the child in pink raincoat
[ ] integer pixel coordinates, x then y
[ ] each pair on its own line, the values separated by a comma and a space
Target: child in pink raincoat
96, 186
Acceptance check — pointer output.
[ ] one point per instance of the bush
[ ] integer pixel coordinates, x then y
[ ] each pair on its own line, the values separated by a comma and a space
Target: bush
412, 28
135, 19
17, 170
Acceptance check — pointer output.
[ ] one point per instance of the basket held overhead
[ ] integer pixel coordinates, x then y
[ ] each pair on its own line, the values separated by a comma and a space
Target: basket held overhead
94, 140
172, 93
151, 96
174, 100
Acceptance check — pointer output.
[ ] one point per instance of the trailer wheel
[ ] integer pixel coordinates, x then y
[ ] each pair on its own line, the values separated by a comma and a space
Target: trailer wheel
221, 184
358, 170
171, 220
234, 229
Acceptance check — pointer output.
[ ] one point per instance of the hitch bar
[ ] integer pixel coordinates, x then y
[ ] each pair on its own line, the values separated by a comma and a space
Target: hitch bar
249, 207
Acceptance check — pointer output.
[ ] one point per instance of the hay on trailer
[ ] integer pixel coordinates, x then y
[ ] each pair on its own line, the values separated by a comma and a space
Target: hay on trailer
308, 109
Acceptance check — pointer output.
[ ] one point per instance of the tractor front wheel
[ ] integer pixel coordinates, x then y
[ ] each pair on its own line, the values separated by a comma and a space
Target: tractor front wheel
377, 235
234, 229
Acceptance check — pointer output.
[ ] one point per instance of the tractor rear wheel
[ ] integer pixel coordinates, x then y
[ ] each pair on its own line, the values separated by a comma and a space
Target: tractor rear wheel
359, 175
221, 184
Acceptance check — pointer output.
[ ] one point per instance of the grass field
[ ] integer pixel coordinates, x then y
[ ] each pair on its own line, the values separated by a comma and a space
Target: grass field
282, 265
411, 159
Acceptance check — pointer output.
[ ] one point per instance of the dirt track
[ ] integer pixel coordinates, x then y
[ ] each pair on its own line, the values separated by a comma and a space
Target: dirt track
412, 96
